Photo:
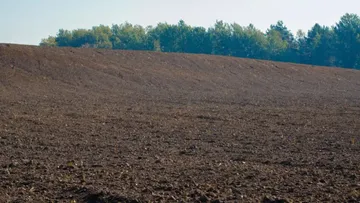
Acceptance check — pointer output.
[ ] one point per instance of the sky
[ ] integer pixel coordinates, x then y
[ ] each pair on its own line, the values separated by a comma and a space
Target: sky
28, 21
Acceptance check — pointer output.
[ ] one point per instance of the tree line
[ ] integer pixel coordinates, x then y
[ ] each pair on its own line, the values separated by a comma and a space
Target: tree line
338, 45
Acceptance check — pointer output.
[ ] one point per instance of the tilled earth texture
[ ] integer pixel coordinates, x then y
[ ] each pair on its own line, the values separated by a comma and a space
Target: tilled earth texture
92, 125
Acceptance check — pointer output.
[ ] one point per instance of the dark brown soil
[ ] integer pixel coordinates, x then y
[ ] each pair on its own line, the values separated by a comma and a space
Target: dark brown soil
90, 125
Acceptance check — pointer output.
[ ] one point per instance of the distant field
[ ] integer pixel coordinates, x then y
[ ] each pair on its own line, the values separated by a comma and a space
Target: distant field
96, 125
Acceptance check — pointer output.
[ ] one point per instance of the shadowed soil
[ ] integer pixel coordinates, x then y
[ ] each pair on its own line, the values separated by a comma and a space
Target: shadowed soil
96, 125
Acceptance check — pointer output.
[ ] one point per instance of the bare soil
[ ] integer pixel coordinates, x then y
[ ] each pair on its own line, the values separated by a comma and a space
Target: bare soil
92, 125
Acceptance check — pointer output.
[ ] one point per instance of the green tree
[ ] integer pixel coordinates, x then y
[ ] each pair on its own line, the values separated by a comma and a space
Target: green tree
301, 52
220, 36
348, 44
319, 46
102, 36
198, 41
248, 42
183, 35
287, 41
63, 38
82, 37
166, 35
277, 45
48, 42
126, 36
285, 33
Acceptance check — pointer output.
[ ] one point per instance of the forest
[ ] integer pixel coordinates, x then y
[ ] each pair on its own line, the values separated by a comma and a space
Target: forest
335, 46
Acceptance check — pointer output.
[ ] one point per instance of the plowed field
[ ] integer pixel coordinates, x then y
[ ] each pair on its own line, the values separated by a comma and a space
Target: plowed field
92, 125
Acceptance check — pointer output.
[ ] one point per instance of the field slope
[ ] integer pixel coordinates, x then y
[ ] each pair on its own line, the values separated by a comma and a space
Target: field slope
96, 125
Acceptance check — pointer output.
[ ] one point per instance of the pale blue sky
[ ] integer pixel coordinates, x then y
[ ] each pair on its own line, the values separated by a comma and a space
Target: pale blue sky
27, 21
